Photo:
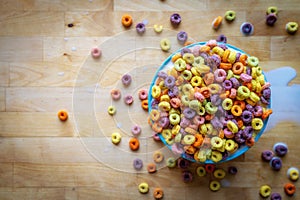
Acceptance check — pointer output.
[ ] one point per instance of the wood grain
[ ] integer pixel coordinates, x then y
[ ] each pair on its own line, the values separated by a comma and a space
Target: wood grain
45, 51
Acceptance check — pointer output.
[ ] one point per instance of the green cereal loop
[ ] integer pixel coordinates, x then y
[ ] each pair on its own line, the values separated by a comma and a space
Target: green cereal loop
216, 142
174, 118
171, 162
166, 133
209, 128
169, 141
202, 156
204, 102
214, 88
185, 100
188, 58
198, 61
180, 65
227, 104
195, 105
187, 89
232, 127
258, 70
174, 110
210, 109
229, 74
243, 92
257, 124
222, 148
178, 137
201, 171
216, 156
156, 91
272, 9
201, 111
254, 97
111, 110
230, 15
252, 61
189, 139
219, 173
203, 129
196, 81
187, 75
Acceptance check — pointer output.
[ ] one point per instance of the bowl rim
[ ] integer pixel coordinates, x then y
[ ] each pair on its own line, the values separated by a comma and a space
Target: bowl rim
242, 149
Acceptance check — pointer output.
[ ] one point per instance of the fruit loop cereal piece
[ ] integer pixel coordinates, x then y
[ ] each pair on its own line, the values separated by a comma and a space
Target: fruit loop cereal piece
111, 110
267, 155
280, 149
126, 79
143, 188
171, 162
265, 191
219, 173
115, 94
247, 28
291, 27
175, 19
143, 94
128, 99
158, 157
126, 20
252, 61
276, 163
134, 144
96, 52
187, 176
136, 130
158, 193
272, 10
158, 28
183, 163
116, 138
182, 37
293, 173
214, 186
62, 115
275, 196
151, 167
144, 104
232, 170
201, 171
137, 164
165, 44
210, 168
222, 38
289, 189
140, 28
271, 19
217, 22
230, 15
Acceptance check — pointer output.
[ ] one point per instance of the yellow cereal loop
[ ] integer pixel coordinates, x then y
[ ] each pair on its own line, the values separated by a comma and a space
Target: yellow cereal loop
166, 133
189, 139
216, 142
164, 106
143, 188
202, 156
111, 110
195, 105
229, 74
165, 98
175, 130
254, 97
156, 91
154, 115
178, 138
232, 127
214, 186
202, 69
257, 123
232, 57
196, 81
214, 88
198, 61
203, 129
188, 58
218, 50
219, 173
229, 145
216, 156
116, 138
165, 44
158, 28
174, 118
180, 65
195, 71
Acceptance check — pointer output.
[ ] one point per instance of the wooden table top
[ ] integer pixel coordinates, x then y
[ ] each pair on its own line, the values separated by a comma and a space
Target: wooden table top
45, 66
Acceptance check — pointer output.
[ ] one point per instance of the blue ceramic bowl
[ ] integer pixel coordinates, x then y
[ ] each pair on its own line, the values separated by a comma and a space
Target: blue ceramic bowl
242, 148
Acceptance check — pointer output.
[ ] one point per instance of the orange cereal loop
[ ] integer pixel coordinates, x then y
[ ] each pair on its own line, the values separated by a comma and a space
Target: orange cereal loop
238, 68
126, 20
221, 134
205, 49
217, 22
248, 85
289, 189
236, 110
209, 117
240, 123
187, 43
225, 55
250, 142
241, 104
156, 127
175, 57
158, 193
209, 78
243, 59
134, 144
199, 140
151, 167
189, 149
225, 66
205, 92
224, 94
266, 114
62, 115
145, 104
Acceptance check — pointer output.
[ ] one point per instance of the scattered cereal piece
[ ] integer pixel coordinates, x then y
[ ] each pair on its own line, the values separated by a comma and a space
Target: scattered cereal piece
111, 110
219, 173
116, 138
126, 79
96, 52
128, 99
182, 37
158, 157
280, 149
145, 105
134, 144
291, 27
271, 19
232, 170
265, 191
183, 163
267, 155
289, 189
171, 162
140, 28
210, 168
275, 196
247, 28
143, 94
158, 193
165, 44
62, 115
136, 130
158, 28
272, 10
276, 163
175, 19
143, 188
293, 173
187, 176
137, 164
151, 167
217, 22
214, 186
126, 20
115, 94
222, 38
201, 171
230, 15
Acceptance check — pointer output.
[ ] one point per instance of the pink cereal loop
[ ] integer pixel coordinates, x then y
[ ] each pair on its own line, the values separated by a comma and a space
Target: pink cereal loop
266, 85
199, 96
96, 52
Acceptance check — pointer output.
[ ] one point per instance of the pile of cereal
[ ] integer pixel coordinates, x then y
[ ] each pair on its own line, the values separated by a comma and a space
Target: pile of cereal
209, 101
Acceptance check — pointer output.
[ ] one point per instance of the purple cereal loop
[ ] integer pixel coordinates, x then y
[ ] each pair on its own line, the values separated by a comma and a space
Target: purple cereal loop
222, 38
227, 84
184, 122
164, 122
266, 93
215, 100
220, 75
162, 74
189, 113
175, 19
235, 82
169, 81
248, 71
137, 164
246, 116
185, 50
187, 176
128, 99
196, 50
136, 130
280, 149
271, 19
237, 55
182, 36
205, 56
276, 163
275, 196
250, 108
213, 61
264, 100
183, 163
216, 123
245, 78
140, 28
247, 132
126, 79
258, 111
238, 137
223, 46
